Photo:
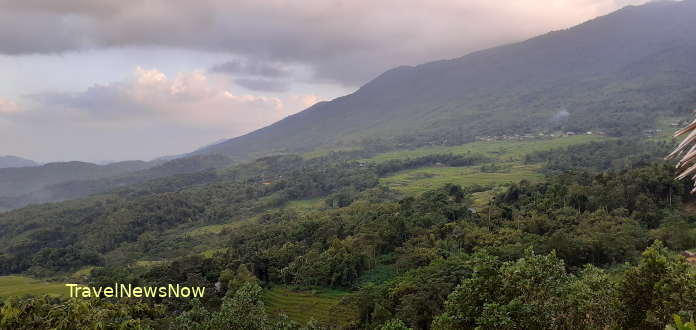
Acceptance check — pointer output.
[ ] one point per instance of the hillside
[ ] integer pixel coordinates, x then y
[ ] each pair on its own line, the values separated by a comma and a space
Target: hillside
13, 161
458, 194
615, 73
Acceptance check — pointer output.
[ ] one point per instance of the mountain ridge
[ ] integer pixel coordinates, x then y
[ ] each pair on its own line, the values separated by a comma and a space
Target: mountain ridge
9, 161
511, 88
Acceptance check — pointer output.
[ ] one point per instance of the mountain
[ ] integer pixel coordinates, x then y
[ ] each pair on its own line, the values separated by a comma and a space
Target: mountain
616, 73
12, 161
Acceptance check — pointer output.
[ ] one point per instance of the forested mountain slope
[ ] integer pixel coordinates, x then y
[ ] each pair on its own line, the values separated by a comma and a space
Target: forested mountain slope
614, 73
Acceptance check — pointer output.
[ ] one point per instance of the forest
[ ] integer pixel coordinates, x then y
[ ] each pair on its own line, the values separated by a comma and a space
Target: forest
594, 245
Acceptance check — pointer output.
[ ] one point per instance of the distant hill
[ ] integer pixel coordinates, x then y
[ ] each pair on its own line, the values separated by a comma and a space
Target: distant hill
13, 161
64, 181
615, 73
23, 180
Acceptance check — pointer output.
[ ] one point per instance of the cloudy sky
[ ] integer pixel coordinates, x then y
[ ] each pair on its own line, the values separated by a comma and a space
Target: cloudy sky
137, 79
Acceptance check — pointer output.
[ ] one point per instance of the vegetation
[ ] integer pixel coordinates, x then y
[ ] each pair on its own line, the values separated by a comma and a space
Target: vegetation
303, 306
292, 242
11, 286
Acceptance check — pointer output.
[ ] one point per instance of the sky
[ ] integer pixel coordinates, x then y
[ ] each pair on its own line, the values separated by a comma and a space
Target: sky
127, 79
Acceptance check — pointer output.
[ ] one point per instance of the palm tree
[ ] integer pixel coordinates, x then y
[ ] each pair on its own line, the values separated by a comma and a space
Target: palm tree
687, 164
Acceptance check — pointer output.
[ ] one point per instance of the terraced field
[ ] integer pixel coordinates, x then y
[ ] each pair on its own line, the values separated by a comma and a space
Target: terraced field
302, 306
502, 150
429, 178
11, 286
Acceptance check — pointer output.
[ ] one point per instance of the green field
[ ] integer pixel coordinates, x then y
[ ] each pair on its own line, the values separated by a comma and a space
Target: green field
19, 286
302, 306
504, 150
305, 204
217, 229
429, 178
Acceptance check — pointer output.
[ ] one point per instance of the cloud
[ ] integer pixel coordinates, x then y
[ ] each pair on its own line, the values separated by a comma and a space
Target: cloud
8, 107
150, 111
260, 84
252, 68
190, 98
342, 41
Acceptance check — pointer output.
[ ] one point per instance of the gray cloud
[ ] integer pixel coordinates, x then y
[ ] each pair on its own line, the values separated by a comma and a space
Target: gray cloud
252, 68
342, 41
105, 101
265, 85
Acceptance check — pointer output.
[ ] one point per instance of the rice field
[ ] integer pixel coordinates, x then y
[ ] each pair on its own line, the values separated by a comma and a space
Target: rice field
428, 178
302, 306
11, 286
502, 150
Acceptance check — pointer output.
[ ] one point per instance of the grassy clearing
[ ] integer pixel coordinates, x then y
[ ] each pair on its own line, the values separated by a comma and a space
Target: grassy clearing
305, 204
301, 306
83, 271
149, 263
211, 252
428, 178
481, 199
11, 286
665, 128
323, 152
504, 150
216, 229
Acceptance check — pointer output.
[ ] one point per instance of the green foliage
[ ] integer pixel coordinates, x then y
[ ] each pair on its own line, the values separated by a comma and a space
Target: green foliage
681, 325
17, 286
394, 324
523, 294
661, 285
54, 313
242, 309
600, 156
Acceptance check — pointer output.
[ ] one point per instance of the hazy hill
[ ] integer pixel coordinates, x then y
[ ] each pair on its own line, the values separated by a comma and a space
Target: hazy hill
63, 181
615, 73
19, 181
13, 161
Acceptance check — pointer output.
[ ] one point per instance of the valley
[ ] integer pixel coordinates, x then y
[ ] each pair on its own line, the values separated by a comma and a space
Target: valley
523, 186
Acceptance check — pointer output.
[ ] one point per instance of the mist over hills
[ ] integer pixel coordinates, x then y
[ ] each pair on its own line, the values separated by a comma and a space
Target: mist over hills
62, 181
615, 73
14, 161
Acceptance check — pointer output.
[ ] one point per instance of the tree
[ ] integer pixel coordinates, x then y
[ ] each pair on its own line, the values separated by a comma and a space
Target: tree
661, 285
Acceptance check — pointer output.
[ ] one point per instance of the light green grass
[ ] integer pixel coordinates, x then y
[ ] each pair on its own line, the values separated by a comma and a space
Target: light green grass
82, 272
216, 229
428, 178
482, 199
305, 204
149, 263
323, 152
302, 306
211, 252
506, 150
11, 286
666, 129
